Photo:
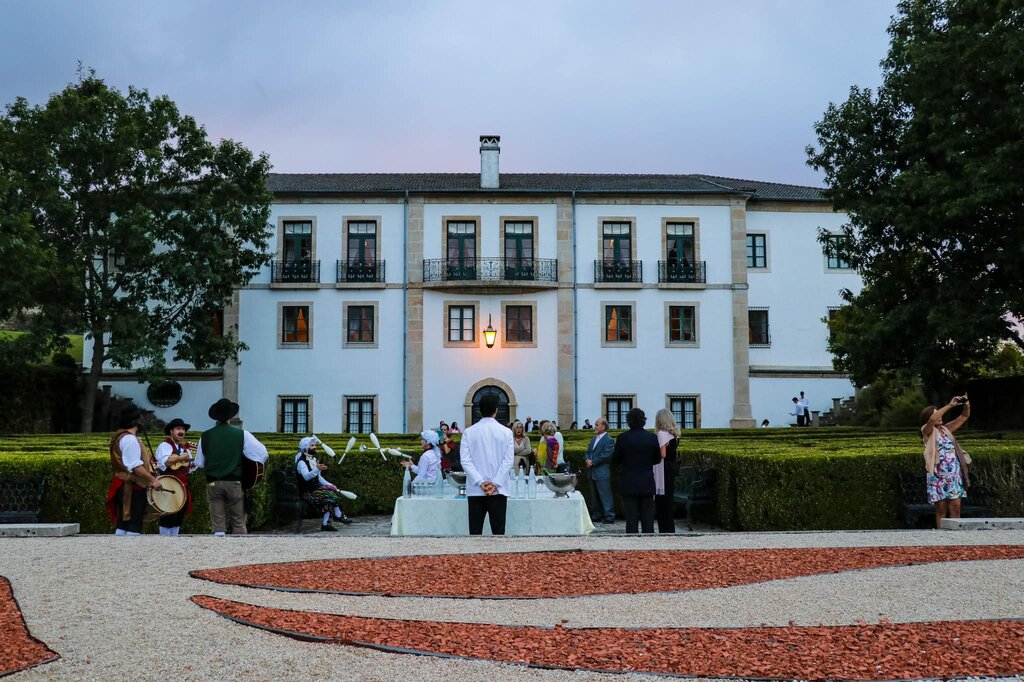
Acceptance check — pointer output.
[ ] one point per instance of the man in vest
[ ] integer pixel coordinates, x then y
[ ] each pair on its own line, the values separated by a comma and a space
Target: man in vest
132, 469
220, 451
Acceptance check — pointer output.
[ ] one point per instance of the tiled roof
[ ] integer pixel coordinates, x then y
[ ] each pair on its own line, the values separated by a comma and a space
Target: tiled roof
288, 183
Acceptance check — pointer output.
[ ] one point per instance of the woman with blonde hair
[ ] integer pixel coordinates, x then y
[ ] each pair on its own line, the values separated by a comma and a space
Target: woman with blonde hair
945, 462
521, 448
665, 471
549, 446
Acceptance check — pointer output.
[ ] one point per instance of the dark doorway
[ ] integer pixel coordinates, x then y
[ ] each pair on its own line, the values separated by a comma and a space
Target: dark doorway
503, 410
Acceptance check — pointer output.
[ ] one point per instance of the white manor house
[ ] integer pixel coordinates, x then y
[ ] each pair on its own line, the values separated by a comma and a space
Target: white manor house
395, 301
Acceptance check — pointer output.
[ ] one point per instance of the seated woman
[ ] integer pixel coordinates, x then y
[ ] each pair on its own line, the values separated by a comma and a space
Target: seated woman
314, 488
429, 467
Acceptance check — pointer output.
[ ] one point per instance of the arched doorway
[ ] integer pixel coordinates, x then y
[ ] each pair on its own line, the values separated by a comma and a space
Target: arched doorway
506, 400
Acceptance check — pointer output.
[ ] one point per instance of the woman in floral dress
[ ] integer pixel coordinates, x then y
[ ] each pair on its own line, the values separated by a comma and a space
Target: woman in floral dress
945, 462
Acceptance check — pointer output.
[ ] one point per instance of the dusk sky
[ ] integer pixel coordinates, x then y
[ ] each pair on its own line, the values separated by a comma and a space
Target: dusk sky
726, 88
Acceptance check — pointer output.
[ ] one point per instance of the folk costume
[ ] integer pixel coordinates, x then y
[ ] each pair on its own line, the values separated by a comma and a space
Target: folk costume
126, 502
316, 490
220, 451
170, 524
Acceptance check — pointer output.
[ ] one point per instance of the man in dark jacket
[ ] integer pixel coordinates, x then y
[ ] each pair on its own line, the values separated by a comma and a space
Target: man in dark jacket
635, 454
598, 458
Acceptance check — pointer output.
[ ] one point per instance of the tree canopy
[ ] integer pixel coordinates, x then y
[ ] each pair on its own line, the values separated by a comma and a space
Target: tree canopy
929, 167
142, 227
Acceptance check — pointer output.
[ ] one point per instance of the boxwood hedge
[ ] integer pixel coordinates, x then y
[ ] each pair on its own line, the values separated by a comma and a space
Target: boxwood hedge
769, 479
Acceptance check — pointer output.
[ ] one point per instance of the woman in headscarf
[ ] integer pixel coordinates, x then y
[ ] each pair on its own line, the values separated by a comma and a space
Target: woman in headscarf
314, 488
429, 466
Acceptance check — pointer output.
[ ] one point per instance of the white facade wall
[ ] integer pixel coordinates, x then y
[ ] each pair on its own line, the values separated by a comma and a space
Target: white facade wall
796, 287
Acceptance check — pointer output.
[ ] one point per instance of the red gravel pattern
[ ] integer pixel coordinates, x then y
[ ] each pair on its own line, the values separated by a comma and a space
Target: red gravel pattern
18, 648
887, 651
515, 575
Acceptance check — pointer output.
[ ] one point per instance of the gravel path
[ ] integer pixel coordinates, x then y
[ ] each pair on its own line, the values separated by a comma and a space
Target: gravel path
72, 590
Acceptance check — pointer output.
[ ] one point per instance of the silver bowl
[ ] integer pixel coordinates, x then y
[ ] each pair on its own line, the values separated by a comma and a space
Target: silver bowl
459, 479
561, 485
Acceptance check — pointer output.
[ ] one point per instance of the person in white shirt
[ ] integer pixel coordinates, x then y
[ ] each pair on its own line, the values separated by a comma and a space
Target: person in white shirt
797, 412
132, 473
316, 490
805, 407
173, 459
487, 457
429, 467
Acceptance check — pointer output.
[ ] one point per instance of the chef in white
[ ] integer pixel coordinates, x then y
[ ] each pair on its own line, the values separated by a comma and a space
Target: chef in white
429, 467
486, 452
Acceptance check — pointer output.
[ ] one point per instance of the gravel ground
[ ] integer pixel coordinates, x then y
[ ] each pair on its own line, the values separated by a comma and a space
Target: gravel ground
118, 607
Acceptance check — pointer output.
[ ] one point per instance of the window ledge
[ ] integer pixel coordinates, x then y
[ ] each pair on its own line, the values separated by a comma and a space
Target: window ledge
682, 285
360, 285
295, 285
618, 285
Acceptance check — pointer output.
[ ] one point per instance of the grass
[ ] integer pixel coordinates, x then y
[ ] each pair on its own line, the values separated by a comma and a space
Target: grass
75, 350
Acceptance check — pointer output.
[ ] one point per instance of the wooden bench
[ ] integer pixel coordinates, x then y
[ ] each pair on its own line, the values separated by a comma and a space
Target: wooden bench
914, 497
21, 499
695, 487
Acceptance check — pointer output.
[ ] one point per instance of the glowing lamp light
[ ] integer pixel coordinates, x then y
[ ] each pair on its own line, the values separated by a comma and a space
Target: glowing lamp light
489, 333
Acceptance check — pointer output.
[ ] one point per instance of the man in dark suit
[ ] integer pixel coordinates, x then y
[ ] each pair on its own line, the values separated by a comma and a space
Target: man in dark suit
599, 460
634, 456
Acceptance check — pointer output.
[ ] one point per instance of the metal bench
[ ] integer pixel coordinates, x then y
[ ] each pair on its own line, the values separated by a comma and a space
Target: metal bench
914, 497
695, 487
287, 501
21, 499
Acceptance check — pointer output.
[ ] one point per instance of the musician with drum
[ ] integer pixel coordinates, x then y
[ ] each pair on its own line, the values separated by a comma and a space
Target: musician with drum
132, 476
173, 459
226, 451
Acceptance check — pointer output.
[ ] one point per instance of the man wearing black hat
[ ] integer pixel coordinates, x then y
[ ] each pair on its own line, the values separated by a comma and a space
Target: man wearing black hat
173, 458
221, 450
132, 468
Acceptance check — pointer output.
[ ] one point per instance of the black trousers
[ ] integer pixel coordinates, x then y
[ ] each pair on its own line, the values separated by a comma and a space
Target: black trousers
665, 505
139, 504
491, 506
639, 509
173, 520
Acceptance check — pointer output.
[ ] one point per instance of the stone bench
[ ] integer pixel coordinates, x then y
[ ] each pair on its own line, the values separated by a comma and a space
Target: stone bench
21, 499
983, 524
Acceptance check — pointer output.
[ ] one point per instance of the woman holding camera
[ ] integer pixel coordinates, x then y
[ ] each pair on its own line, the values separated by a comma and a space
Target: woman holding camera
945, 462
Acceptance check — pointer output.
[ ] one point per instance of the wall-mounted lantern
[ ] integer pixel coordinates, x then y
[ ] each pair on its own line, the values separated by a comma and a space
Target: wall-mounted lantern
489, 333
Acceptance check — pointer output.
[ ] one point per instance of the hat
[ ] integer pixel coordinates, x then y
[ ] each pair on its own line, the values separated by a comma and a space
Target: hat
129, 417
304, 443
177, 421
223, 410
431, 437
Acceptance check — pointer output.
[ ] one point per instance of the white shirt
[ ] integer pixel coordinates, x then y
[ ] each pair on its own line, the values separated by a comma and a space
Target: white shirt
311, 471
429, 466
803, 404
251, 449
486, 453
131, 451
165, 450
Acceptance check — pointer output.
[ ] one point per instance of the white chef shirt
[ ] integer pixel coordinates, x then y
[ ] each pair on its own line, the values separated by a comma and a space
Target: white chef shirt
487, 454
429, 466
310, 472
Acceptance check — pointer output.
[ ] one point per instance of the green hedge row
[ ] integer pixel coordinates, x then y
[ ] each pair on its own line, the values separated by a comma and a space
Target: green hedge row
769, 479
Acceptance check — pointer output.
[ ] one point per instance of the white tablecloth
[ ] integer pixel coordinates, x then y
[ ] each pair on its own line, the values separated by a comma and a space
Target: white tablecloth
545, 515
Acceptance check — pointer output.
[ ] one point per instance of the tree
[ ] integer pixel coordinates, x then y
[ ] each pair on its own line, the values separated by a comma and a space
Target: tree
930, 171
151, 225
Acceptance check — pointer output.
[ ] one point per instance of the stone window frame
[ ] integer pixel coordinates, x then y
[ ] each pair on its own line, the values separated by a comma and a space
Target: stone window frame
696, 237
669, 397
477, 336
445, 219
345, 399
345, 343
502, 220
605, 397
669, 343
634, 327
281, 343
345, 220
505, 343
837, 270
632, 235
280, 411
768, 329
281, 220
767, 251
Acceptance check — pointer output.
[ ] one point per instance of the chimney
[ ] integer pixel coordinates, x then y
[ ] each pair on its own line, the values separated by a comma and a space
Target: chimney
489, 150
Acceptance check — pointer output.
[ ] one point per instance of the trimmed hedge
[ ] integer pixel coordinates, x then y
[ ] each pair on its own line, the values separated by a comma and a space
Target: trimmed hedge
769, 479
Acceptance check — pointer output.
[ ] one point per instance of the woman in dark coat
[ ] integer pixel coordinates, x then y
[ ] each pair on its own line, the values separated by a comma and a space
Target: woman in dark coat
635, 454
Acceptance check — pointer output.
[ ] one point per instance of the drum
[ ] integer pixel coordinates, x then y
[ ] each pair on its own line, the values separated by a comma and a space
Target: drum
170, 500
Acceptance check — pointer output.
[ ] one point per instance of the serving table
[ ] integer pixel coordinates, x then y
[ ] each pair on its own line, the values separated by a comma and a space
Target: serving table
546, 515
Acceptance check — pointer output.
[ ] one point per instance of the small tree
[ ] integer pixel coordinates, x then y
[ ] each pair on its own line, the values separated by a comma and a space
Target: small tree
152, 226
929, 170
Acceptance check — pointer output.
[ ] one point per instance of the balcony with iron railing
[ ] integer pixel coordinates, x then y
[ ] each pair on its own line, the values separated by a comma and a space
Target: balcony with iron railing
536, 273
360, 272
295, 272
682, 272
618, 271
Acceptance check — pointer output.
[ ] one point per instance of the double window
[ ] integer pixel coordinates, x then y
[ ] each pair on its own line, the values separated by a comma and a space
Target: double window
684, 409
359, 413
615, 409
757, 251
618, 324
617, 252
682, 324
461, 323
837, 253
360, 325
361, 251
461, 250
519, 250
296, 325
297, 263
519, 324
294, 414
